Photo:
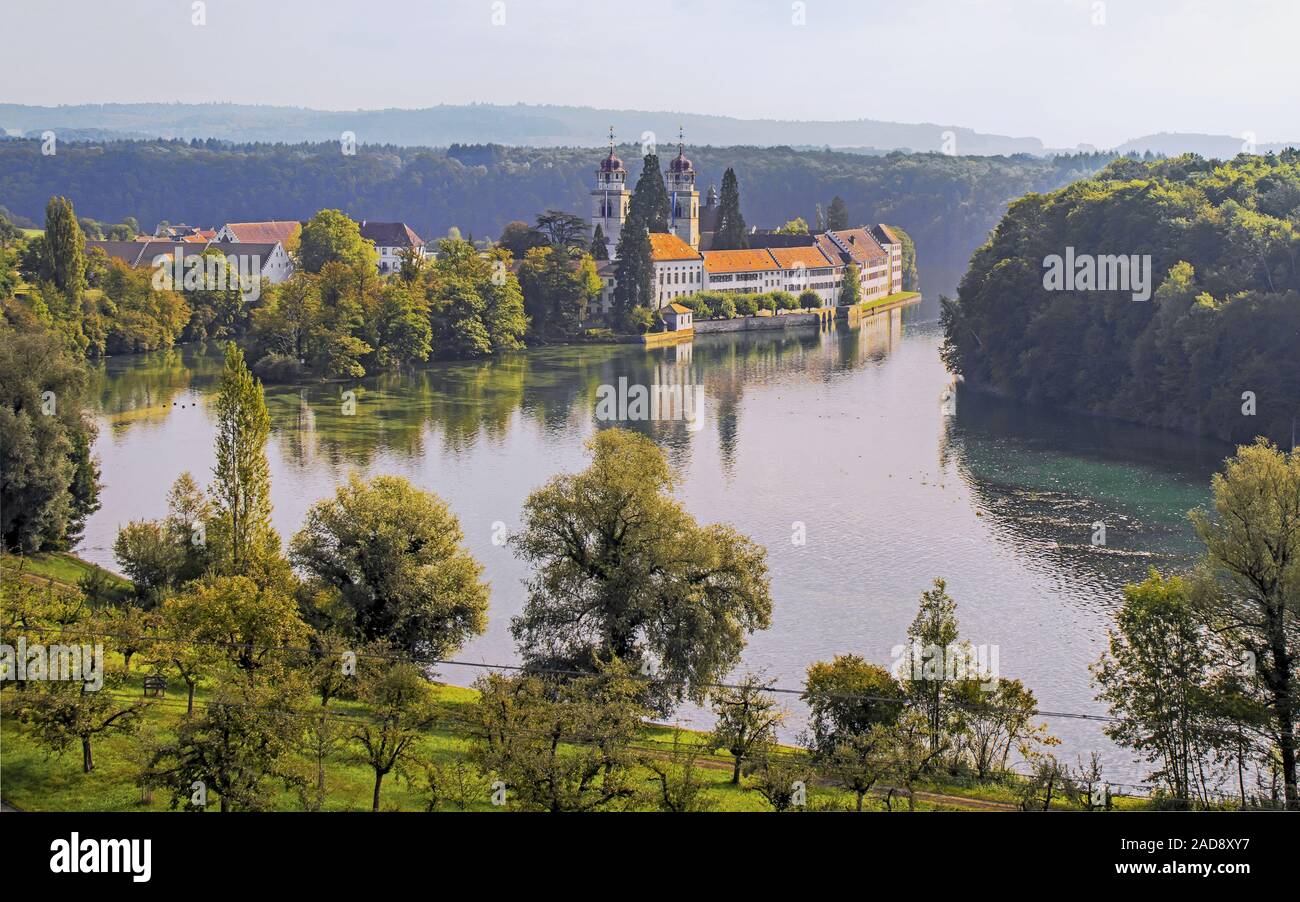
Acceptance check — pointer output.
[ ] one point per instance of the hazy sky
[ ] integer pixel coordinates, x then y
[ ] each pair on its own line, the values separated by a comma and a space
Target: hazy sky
1018, 67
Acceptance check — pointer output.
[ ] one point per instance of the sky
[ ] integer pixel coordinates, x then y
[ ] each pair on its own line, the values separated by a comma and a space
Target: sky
1067, 71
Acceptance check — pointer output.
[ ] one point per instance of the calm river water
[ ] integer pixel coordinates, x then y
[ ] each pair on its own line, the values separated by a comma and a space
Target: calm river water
842, 431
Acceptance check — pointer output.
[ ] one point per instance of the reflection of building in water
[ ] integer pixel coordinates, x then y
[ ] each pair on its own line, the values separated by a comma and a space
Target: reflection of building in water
881, 333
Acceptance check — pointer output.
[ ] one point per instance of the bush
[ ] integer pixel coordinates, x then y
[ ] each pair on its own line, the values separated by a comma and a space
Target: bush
279, 368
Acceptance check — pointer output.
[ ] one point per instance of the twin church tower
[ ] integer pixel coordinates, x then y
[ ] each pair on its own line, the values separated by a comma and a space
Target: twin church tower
612, 196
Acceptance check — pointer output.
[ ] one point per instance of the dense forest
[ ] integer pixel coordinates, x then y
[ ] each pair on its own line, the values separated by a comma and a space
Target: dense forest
1214, 349
948, 204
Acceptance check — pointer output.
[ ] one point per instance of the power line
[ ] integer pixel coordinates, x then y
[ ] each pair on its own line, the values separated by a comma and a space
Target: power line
551, 671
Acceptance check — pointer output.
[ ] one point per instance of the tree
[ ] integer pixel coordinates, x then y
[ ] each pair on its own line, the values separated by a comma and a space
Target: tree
395, 556
241, 486
853, 708
599, 244
560, 746
331, 236
851, 286
241, 741
809, 299
747, 717
731, 233
932, 636
622, 571
649, 203
1154, 677
563, 231
779, 777
251, 625
557, 289
476, 305
846, 697
150, 556
994, 722
796, 226
49, 484
679, 785
64, 258
1251, 593
63, 712
837, 215
634, 275
519, 238
401, 704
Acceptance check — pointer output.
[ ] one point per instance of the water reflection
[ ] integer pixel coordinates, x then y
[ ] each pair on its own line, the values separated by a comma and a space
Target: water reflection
837, 429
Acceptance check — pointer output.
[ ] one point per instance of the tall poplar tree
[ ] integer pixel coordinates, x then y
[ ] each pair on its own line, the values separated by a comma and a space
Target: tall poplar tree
241, 487
731, 224
64, 261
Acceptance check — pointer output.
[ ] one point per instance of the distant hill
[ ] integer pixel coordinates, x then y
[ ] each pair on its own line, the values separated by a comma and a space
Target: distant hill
1218, 147
518, 125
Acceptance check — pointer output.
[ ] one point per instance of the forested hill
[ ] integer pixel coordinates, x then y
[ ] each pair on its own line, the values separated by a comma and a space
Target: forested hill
1220, 336
947, 203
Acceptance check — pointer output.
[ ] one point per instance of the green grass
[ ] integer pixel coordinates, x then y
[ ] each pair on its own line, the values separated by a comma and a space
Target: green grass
889, 299
36, 780
65, 569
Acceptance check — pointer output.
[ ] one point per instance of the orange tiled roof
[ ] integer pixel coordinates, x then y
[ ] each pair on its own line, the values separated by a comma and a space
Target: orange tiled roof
678, 308
739, 261
265, 232
792, 257
666, 246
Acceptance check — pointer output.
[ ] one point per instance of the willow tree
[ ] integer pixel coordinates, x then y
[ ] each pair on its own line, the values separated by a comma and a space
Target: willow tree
623, 572
241, 487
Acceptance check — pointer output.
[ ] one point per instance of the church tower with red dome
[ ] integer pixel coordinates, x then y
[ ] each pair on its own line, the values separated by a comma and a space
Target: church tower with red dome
610, 198
683, 198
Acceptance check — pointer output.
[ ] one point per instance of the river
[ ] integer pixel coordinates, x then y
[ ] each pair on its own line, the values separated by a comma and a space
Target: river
842, 431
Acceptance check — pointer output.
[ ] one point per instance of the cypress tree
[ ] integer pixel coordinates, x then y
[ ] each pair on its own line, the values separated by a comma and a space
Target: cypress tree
635, 275
599, 244
837, 216
650, 197
731, 224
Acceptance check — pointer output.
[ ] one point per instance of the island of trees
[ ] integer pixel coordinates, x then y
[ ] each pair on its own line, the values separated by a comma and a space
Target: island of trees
1214, 349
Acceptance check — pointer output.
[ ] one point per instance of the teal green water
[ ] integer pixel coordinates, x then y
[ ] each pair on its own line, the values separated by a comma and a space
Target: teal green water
842, 431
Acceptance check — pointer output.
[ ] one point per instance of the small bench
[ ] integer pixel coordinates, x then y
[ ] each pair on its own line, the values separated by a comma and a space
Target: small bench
155, 686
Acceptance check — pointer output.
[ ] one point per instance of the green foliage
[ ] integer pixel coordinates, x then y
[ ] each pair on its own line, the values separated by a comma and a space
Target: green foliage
332, 237
560, 746
837, 215
394, 554
649, 203
851, 286
49, 484
557, 286
732, 232
241, 485
1222, 241
622, 571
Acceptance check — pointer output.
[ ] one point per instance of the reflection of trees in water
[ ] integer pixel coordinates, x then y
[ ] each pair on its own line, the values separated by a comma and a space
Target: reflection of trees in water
139, 389
466, 402
1042, 479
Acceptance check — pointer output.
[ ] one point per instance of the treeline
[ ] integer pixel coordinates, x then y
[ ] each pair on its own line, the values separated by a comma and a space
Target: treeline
948, 204
1214, 349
